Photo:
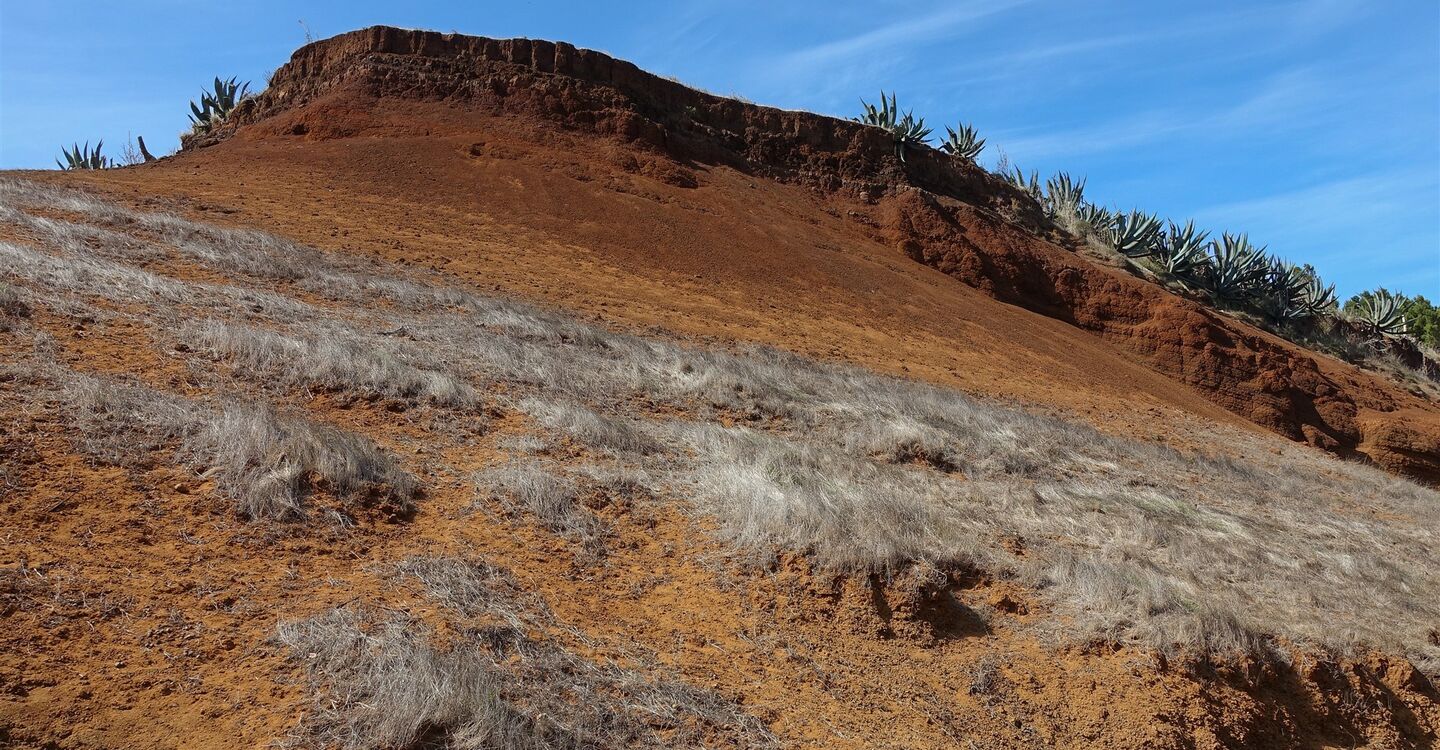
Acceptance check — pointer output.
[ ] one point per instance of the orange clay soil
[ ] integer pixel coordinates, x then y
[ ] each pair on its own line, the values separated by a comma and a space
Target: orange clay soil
568, 178
138, 612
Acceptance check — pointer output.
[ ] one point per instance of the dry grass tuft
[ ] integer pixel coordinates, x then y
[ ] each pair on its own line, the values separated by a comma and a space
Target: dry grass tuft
332, 357
545, 492
383, 682
267, 463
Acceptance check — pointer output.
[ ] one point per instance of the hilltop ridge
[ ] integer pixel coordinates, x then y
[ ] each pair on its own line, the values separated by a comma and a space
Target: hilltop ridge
940, 212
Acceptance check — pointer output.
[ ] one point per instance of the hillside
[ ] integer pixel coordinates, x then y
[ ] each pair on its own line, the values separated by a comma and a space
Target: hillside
558, 404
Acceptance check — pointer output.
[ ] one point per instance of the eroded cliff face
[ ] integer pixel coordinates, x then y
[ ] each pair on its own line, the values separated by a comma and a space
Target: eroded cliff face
937, 211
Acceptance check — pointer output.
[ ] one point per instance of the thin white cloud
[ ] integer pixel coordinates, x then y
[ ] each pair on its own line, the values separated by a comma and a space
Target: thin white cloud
1286, 100
1352, 202
906, 31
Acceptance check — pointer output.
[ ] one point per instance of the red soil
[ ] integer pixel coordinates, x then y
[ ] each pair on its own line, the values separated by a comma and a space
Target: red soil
569, 178
937, 212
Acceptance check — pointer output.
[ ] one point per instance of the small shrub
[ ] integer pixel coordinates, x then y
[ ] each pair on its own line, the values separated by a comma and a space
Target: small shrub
1063, 196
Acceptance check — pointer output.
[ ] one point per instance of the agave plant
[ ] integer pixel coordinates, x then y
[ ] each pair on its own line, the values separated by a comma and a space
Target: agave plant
1030, 185
1098, 217
964, 143
1317, 299
1381, 313
216, 106
907, 131
78, 157
1181, 251
1135, 234
1063, 196
1236, 268
1280, 291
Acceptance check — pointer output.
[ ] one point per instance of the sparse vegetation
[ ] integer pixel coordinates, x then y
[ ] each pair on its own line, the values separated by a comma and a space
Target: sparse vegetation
83, 157
1135, 234
266, 463
1063, 197
1030, 186
1130, 541
216, 105
1233, 273
381, 681
1381, 313
545, 492
907, 131
336, 358
11, 303
964, 143
1181, 252
1235, 270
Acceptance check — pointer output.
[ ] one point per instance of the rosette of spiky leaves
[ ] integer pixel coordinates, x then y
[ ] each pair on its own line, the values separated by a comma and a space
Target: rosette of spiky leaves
964, 143
1030, 185
1280, 290
906, 130
910, 133
1236, 268
81, 157
215, 106
1135, 234
1317, 299
1098, 217
1181, 251
1381, 313
1063, 196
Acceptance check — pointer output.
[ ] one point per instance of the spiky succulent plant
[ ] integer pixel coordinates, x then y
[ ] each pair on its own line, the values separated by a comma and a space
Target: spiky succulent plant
1280, 290
1381, 313
1063, 196
1098, 217
1135, 234
964, 143
907, 131
81, 157
1236, 268
215, 107
1181, 251
1317, 299
1030, 185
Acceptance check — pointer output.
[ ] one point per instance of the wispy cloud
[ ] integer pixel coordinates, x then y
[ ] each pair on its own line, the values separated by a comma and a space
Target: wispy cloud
907, 31
1326, 206
1283, 101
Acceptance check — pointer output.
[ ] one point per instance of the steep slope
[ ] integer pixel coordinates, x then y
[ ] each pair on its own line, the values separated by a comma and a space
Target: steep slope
257, 492
673, 188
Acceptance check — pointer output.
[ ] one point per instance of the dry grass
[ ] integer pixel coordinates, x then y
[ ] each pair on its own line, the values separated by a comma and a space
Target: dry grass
383, 682
335, 358
545, 492
267, 463
1123, 540
12, 304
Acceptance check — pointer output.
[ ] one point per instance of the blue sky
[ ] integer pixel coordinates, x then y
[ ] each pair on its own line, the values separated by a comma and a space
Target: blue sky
1314, 126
